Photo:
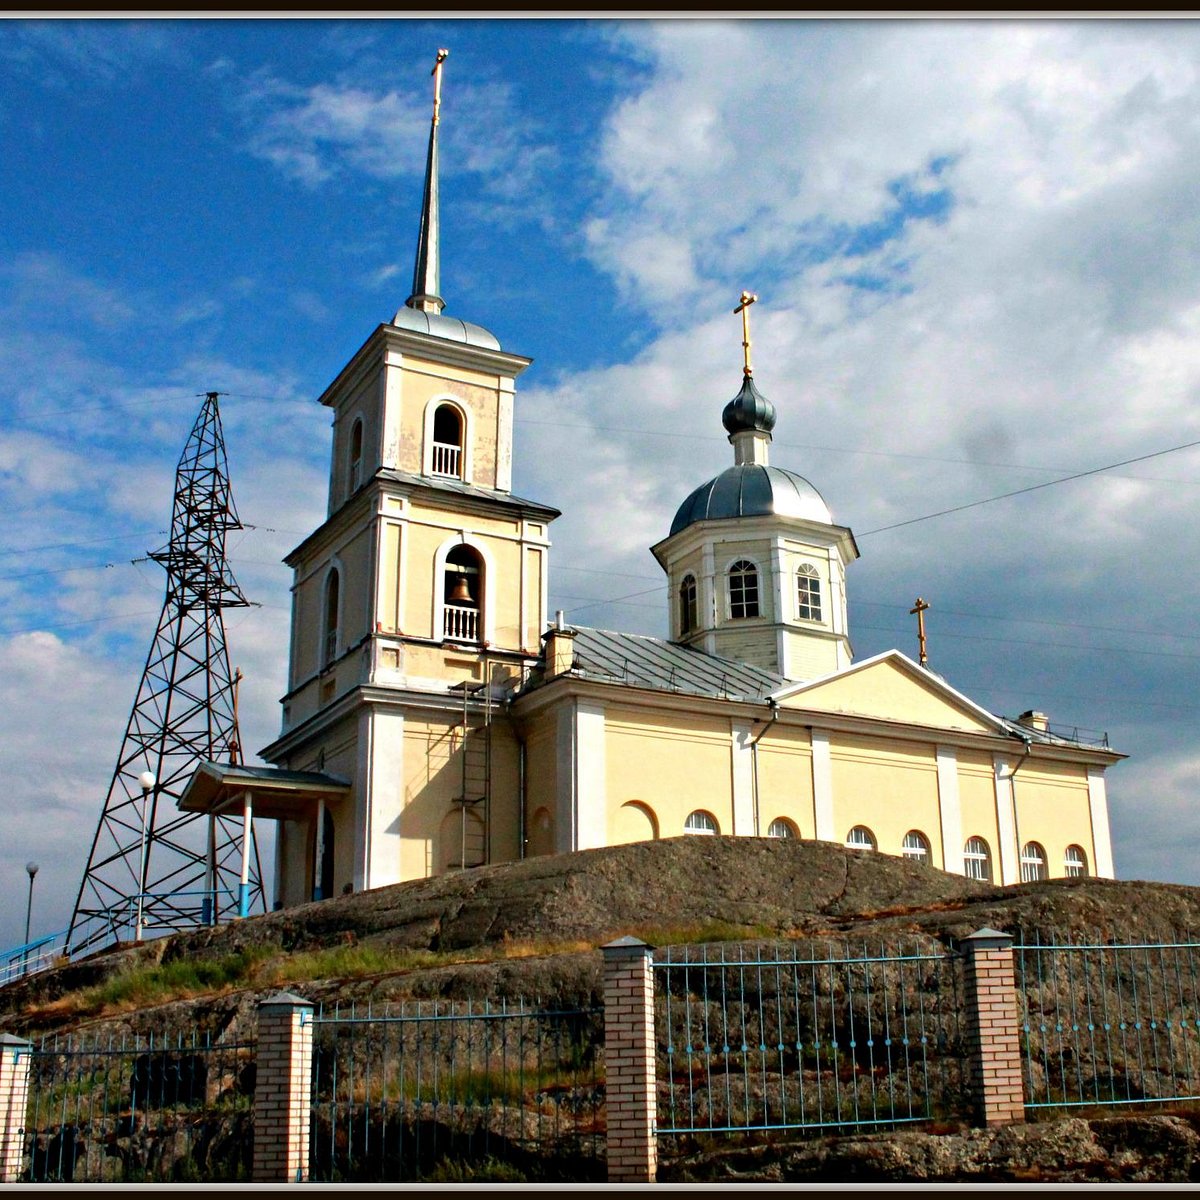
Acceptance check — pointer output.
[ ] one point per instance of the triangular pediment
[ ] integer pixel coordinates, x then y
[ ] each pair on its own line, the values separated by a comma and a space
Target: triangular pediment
891, 687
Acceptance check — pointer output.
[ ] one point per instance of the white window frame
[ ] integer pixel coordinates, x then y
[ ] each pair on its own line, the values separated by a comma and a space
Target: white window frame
974, 859
689, 626
354, 466
1034, 864
916, 847
331, 648
871, 843
1075, 868
808, 573
758, 587
702, 823
782, 823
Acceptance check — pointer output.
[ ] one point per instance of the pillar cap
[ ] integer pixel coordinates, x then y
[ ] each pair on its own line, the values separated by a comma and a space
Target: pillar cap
626, 947
285, 1000
988, 939
11, 1039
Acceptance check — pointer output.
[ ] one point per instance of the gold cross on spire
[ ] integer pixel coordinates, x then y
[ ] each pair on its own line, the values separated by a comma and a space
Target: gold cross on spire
919, 612
748, 298
442, 55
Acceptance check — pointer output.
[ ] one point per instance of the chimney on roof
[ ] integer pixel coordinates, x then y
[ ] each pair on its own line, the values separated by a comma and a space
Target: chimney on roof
560, 647
1035, 720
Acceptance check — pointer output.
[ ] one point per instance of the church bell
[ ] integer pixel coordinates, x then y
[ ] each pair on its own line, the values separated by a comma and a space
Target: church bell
460, 593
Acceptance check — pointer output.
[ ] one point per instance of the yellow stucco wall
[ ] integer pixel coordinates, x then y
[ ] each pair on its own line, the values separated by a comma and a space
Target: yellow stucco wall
541, 782
1053, 810
478, 393
890, 788
977, 800
672, 764
785, 779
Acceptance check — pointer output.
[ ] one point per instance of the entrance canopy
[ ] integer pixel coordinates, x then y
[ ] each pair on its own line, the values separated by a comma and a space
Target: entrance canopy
219, 788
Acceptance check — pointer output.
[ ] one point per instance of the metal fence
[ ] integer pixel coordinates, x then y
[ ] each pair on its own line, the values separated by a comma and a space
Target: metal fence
454, 1091
1108, 1024
138, 1109
806, 1037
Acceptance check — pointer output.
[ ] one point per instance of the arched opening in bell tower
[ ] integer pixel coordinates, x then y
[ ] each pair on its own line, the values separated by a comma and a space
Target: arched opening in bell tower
462, 595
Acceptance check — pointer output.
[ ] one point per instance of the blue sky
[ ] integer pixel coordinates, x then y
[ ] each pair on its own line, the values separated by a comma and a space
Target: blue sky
979, 267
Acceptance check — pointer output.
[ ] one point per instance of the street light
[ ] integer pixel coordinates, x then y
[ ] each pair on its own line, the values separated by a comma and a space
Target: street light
32, 869
147, 781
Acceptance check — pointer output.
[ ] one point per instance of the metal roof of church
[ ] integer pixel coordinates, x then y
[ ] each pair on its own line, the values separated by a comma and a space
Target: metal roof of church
477, 491
649, 662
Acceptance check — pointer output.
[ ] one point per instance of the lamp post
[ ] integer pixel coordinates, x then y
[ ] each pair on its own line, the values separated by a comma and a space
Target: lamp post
147, 781
32, 869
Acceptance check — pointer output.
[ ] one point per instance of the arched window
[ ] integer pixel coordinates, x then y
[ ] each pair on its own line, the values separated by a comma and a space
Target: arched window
915, 846
700, 822
860, 838
1075, 862
447, 442
808, 593
781, 827
462, 595
977, 860
688, 610
1033, 862
356, 451
743, 589
329, 646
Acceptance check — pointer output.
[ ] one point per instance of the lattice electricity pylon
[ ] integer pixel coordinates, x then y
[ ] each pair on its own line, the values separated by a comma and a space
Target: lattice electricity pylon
153, 868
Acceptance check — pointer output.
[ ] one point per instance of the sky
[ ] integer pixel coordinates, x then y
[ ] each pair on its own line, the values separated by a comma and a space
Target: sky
976, 247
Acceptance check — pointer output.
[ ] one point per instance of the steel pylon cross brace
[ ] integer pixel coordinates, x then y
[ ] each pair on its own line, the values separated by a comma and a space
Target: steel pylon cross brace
152, 868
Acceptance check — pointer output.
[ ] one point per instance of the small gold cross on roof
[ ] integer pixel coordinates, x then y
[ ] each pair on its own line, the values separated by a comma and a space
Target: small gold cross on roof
748, 298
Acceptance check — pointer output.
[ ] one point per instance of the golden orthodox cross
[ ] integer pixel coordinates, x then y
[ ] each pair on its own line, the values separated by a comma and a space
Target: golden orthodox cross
748, 298
442, 55
919, 612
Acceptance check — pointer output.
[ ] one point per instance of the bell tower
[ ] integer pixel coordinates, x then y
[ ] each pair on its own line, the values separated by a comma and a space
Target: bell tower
422, 596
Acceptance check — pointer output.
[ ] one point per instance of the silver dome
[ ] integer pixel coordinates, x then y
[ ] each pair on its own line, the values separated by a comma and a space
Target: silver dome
450, 328
752, 490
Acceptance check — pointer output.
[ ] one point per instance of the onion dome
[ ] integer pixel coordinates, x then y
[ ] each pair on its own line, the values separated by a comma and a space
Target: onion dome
752, 490
450, 328
748, 411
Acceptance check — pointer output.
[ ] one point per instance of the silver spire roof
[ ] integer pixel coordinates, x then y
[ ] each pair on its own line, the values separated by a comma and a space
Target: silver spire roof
426, 286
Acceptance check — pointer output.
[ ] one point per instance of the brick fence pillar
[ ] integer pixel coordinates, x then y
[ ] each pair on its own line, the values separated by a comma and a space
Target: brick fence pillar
993, 1028
283, 1089
14, 1092
629, 1061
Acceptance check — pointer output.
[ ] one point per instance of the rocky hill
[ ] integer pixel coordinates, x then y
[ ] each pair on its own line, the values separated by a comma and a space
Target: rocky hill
530, 929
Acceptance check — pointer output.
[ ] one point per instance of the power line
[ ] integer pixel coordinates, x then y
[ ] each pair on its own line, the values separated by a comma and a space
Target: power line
1036, 487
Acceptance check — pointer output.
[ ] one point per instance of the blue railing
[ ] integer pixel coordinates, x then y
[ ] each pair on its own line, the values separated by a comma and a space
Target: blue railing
161, 913
805, 1037
1109, 1024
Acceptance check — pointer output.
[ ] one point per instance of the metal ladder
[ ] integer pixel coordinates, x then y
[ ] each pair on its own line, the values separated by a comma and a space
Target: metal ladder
475, 792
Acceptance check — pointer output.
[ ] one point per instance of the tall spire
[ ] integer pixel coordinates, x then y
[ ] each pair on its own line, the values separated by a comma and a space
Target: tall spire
427, 271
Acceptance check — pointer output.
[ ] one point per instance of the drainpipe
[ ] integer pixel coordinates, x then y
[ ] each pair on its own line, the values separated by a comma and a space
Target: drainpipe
754, 760
1013, 784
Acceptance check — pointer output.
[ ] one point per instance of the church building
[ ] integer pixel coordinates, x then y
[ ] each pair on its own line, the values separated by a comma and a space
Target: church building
436, 719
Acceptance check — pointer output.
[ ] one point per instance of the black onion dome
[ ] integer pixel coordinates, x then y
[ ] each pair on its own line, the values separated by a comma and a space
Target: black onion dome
752, 490
748, 410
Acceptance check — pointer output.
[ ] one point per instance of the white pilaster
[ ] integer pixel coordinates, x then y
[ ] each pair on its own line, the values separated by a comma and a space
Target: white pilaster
822, 781
591, 782
392, 386
1102, 861
1006, 822
504, 426
950, 810
378, 799
745, 819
